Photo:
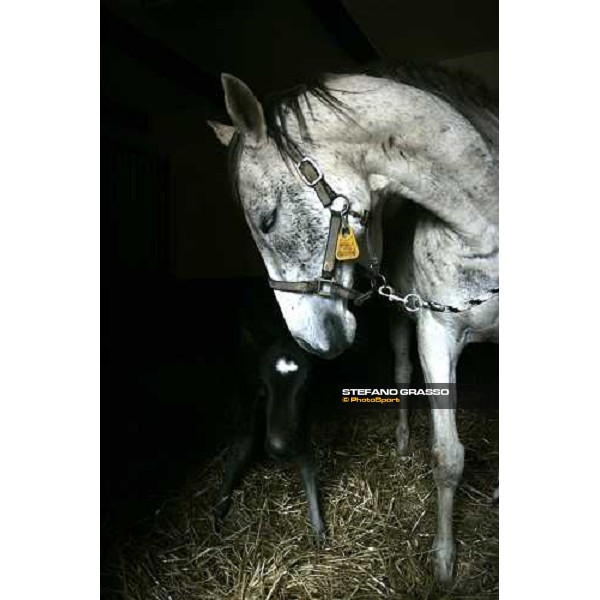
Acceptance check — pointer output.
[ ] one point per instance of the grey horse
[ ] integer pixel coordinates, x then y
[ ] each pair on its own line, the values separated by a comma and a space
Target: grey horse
421, 138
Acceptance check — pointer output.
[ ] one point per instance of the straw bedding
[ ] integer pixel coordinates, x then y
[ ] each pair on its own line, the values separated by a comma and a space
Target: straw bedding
380, 512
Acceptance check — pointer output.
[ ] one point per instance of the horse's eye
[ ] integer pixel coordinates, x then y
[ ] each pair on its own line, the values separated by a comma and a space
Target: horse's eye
267, 221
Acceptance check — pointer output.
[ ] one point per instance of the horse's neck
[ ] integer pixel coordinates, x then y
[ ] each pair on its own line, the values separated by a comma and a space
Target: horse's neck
423, 253
429, 153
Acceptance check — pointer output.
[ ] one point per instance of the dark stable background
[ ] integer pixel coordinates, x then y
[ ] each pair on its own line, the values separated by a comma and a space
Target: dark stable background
180, 272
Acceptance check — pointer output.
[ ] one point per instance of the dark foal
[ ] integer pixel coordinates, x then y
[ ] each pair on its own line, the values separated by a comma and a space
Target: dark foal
279, 424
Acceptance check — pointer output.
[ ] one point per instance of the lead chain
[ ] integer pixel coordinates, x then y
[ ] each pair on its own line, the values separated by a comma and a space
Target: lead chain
413, 303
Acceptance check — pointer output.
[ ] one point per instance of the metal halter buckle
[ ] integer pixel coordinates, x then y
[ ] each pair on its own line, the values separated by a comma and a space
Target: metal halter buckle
345, 208
313, 164
321, 289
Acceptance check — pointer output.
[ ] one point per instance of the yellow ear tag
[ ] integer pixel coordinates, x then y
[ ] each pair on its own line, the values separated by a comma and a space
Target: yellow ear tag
346, 247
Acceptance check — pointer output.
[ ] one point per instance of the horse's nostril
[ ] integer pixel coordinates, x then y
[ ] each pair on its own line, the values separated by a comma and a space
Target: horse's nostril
332, 324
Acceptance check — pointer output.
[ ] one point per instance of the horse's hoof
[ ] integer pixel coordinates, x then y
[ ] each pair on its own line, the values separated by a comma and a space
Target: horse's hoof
402, 447
219, 513
443, 564
320, 537
217, 522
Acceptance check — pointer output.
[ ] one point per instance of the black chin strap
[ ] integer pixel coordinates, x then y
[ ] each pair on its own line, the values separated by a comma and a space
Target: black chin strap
322, 287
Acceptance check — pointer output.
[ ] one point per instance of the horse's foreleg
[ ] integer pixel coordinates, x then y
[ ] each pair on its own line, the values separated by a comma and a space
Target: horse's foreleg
401, 332
309, 480
438, 352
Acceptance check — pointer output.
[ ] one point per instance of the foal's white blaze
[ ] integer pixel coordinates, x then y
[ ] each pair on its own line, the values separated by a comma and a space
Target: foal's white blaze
285, 366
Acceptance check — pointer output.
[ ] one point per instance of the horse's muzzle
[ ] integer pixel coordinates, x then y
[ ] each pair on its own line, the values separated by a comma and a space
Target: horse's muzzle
329, 353
336, 337
322, 326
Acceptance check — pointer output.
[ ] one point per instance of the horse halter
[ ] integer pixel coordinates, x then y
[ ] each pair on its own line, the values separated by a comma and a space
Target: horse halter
339, 207
325, 285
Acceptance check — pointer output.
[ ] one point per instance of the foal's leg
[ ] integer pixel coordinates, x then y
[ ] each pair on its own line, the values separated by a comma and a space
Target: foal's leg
243, 451
237, 464
401, 333
309, 480
439, 352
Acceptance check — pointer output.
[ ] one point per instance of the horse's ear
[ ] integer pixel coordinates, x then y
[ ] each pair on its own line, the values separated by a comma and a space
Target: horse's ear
244, 109
223, 132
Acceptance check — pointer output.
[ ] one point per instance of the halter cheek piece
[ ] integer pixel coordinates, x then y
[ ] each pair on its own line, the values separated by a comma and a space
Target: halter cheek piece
339, 207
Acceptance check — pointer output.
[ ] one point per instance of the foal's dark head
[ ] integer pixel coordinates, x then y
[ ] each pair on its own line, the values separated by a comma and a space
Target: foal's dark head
284, 372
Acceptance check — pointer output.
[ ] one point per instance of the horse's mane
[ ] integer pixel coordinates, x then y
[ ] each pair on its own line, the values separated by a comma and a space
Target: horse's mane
466, 93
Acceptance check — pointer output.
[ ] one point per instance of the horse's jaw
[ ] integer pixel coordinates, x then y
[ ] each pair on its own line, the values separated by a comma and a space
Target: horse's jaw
321, 326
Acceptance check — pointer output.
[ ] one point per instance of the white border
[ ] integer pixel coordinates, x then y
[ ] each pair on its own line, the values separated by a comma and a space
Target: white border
49, 331
49, 248
549, 223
